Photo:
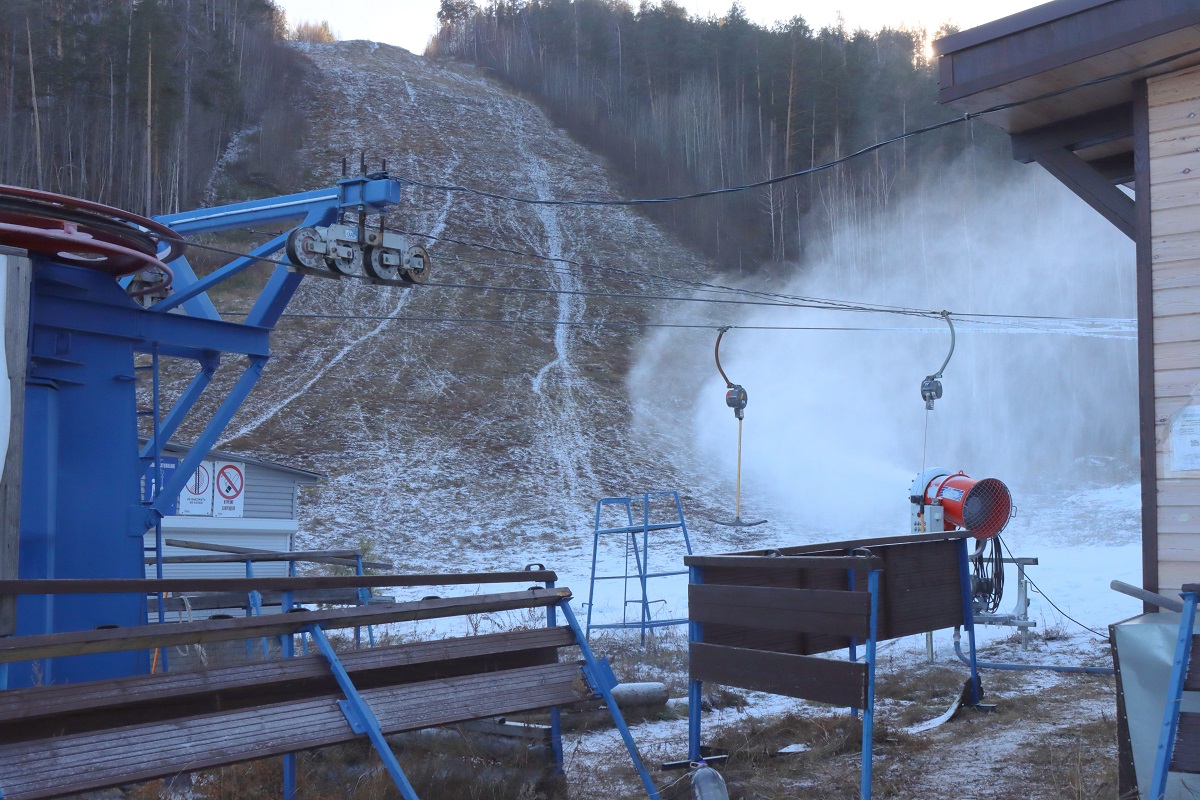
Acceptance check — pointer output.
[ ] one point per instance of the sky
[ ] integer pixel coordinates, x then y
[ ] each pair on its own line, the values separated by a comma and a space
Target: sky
410, 23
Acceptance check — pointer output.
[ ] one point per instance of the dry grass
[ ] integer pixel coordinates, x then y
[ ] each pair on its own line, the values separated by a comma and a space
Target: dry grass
355, 772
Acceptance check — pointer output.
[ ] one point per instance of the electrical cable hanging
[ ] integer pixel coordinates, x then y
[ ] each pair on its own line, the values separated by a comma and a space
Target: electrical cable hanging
736, 398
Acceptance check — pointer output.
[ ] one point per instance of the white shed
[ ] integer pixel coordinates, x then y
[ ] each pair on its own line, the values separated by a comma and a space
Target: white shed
232, 500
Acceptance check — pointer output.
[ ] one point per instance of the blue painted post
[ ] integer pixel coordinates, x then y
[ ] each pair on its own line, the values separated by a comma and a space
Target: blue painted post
363, 714
3, 677
695, 688
853, 641
645, 566
1170, 723
556, 746
605, 692
255, 610
289, 649
868, 751
964, 577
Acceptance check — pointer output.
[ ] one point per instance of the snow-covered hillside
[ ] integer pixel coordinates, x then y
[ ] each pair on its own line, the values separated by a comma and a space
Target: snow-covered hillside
470, 445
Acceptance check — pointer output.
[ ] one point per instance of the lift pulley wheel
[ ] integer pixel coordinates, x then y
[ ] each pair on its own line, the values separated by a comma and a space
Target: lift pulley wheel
305, 247
418, 264
377, 267
345, 259
86, 234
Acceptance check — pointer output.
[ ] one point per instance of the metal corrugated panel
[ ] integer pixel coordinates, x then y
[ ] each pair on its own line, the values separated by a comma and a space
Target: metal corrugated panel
269, 535
270, 494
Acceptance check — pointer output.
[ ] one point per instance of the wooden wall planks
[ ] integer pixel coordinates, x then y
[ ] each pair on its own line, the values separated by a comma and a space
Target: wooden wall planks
1174, 147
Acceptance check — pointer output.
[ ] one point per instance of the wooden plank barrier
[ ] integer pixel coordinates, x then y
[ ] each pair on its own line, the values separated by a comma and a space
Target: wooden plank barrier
62, 740
760, 619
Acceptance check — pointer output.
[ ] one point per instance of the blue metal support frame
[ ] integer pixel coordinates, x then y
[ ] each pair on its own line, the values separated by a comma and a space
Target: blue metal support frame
360, 716
600, 677
1171, 709
288, 645
964, 577
868, 726
86, 334
641, 556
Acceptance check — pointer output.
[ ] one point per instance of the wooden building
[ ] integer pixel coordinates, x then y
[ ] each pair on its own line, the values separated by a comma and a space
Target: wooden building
1105, 95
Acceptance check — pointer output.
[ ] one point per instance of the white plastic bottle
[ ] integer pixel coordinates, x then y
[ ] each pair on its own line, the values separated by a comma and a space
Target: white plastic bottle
707, 783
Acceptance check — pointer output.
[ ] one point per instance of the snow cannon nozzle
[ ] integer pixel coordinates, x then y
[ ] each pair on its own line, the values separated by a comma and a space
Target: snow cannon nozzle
931, 389
736, 398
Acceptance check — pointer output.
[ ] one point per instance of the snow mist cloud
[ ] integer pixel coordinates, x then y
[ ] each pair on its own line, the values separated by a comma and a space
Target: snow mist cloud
835, 428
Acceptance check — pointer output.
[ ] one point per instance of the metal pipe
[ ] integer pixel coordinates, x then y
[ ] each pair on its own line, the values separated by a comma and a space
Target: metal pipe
1022, 667
1146, 596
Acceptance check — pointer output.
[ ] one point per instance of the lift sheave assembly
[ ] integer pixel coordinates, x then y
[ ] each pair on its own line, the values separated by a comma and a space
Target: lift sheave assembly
737, 399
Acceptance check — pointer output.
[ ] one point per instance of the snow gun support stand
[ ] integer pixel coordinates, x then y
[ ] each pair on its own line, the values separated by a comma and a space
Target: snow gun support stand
737, 399
760, 620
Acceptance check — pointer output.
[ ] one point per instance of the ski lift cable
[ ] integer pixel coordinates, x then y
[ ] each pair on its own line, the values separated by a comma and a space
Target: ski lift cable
808, 171
698, 285
805, 303
711, 287
614, 295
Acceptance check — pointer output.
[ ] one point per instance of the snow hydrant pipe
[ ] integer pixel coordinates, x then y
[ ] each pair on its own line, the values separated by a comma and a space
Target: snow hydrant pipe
1146, 597
1022, 667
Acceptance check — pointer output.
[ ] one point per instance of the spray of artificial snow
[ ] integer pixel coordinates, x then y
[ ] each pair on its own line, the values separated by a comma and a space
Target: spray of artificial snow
835, 428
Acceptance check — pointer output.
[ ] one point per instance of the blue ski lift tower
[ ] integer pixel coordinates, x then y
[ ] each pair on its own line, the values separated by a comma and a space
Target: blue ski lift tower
112, 294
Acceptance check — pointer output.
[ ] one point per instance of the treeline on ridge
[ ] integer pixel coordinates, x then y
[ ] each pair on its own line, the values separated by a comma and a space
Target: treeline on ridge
133, 102
681, 104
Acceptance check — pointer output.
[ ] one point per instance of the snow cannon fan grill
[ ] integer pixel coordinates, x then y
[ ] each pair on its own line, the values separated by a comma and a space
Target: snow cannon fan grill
982, 506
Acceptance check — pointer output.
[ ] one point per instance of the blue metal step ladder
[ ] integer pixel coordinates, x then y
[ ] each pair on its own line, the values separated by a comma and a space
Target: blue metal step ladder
636, 539
1176, 724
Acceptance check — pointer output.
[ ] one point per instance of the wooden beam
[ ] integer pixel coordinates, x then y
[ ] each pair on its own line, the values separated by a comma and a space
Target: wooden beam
795, 610
1097, 127
185, 585
282, 679
208, 601
58, 766
842, 683
1116, 168
851, 544
347, 561
788, 562
1148, 445
1092, 187
142, 637
339, 557
18, 273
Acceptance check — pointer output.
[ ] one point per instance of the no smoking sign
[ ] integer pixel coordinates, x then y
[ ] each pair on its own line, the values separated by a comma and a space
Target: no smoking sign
230, 480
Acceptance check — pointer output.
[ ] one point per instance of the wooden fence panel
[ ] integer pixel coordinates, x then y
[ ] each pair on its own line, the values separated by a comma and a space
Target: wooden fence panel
842, 683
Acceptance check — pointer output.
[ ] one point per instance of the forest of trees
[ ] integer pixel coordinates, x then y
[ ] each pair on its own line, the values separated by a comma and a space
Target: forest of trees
132, 102
680, 103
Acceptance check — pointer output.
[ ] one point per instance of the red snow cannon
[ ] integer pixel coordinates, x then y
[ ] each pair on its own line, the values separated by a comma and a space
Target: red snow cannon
982, 506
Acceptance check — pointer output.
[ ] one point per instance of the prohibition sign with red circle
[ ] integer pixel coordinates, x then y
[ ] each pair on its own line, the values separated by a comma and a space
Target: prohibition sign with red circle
198, 483
230, 481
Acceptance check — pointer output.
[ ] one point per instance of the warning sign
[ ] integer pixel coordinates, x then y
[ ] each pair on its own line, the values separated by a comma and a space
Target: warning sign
230, 485
196, 499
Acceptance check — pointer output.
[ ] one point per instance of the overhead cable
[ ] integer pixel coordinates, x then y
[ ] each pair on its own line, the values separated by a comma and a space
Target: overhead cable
799, 173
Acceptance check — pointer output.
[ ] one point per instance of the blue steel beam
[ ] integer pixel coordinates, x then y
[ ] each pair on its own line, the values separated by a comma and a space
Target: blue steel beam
253, 212
207, 439
177, 332
184, 293
271, 304
183, 406
199, 306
